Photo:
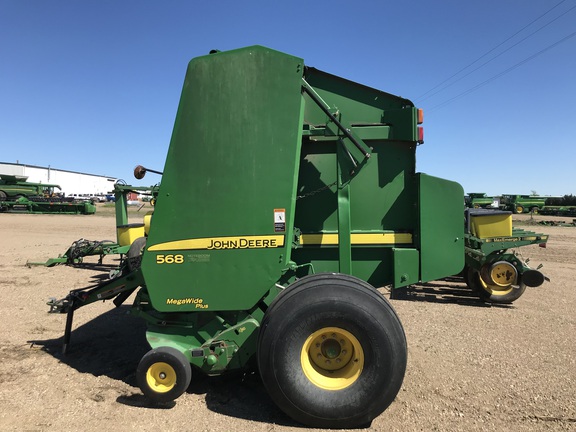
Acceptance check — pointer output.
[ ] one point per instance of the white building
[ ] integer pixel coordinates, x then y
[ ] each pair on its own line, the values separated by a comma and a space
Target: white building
71, 182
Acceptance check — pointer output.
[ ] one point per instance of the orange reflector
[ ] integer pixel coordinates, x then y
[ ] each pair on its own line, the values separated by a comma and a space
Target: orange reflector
420, 116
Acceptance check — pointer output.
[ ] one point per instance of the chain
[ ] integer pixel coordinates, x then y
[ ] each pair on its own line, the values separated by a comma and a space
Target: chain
314, 192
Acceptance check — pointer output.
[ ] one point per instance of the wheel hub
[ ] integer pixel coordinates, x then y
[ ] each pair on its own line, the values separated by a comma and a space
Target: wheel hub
332, 358
161, 377
499, 274
331, 348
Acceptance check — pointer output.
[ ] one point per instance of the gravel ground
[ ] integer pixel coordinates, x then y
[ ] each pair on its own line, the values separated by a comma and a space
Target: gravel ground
471, 366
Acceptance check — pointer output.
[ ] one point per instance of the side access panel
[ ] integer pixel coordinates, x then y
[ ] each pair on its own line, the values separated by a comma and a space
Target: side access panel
219, 239
441, 236
406, 267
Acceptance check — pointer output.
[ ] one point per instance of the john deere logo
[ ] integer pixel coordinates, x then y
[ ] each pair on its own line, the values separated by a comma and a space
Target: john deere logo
218, 243
243, 243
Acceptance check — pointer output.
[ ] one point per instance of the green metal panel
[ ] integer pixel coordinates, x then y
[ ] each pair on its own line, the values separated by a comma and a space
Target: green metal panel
406, 266
380, 195
384, 193
372, 264
357, 104
221, 232
441, 236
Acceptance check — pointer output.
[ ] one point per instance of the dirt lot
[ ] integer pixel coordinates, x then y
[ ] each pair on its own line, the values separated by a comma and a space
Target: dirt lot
471, 366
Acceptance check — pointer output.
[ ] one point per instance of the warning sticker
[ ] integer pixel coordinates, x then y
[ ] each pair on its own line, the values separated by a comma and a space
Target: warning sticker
279, 220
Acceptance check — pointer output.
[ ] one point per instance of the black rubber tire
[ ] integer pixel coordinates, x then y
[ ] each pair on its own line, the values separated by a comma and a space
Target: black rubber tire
178, 372
3, 196
506, 296
332, 301
134, 255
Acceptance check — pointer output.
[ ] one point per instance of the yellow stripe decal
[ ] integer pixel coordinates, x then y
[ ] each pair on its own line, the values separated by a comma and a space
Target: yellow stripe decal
357, 239
242, 242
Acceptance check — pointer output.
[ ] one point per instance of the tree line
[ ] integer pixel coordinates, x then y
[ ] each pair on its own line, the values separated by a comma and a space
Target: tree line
566, 200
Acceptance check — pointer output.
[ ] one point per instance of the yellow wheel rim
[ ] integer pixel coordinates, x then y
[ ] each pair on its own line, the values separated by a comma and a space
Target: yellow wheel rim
495, 289
498, 288
161, 377
503, 274
332, 358
499, 278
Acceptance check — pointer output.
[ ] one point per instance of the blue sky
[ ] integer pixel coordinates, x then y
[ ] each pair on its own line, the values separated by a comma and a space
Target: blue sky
93, 86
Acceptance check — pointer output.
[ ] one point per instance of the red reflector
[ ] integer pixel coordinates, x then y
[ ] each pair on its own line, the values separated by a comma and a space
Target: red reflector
420, 135
542, 245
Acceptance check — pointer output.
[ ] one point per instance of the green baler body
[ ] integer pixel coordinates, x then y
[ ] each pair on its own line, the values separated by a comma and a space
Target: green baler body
261, 186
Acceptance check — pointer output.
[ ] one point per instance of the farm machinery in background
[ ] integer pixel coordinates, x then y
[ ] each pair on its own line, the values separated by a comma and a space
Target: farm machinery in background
481, 200
522, 203
47, 206
493, 268
13, 187
518, 204
513, 203
126, 232
19, 195
301, 196
560, 206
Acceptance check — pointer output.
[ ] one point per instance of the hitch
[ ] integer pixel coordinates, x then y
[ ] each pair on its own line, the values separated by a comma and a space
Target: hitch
67, 306
118, 289
58, 306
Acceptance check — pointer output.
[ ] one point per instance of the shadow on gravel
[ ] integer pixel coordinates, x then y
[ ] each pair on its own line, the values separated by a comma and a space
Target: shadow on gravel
240, 396
449, 290
235, 395
112, 345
